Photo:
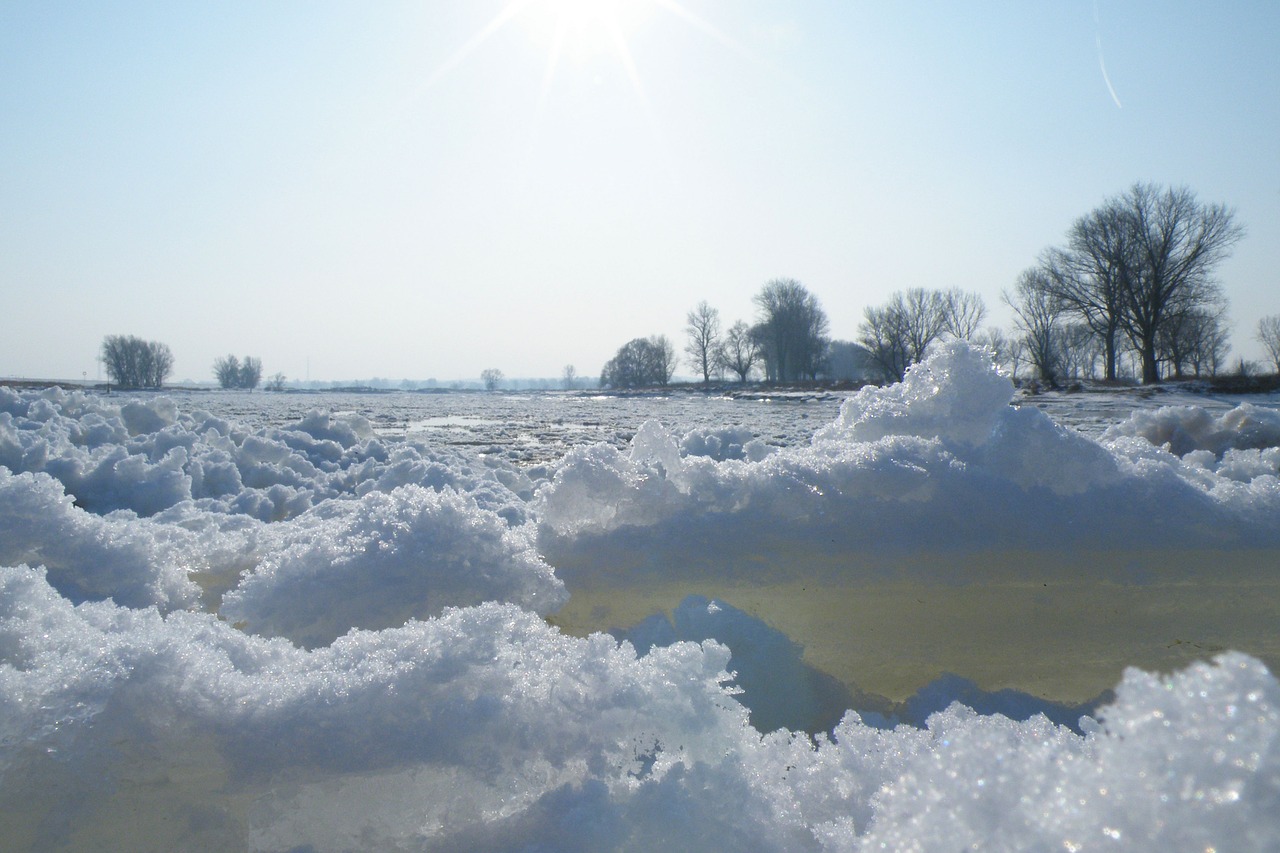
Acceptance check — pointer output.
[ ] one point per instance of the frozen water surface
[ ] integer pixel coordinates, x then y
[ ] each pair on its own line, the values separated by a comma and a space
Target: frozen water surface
916, 618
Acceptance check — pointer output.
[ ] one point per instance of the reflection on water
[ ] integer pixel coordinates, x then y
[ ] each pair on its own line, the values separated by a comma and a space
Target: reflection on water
1061, 626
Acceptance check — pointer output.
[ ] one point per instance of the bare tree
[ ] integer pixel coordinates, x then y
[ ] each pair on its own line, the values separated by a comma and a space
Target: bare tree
1037, 312
962, 313
640, 362
926, 319
492, 378
231, 372
792, 330
883, 332
570, 377
275, 382
1017, 354
663, 359
227, 371
250, 372
1269, 336
1195, 340
1174, 244
739, 352
1077, 351
134, 363
1086, 277
900, 332
702, 325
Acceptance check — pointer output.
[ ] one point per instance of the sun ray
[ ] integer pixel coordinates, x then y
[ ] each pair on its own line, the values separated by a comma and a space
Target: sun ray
706, 27
508, 12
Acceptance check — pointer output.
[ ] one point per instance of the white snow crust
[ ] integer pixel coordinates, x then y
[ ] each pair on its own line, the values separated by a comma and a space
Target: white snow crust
311, 636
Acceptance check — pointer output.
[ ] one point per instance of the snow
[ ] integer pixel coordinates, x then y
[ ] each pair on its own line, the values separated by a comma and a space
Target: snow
233, 621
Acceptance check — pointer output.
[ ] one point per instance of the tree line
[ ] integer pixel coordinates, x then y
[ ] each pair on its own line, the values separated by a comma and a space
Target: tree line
131, 362
1134, 278
1135, 273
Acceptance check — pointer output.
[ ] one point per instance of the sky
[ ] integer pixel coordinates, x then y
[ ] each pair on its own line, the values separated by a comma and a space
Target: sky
429, 189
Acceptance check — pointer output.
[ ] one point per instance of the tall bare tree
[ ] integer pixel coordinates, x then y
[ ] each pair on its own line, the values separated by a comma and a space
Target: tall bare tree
792, 330
739, 351
1086, 277
1037, 315
883, 332
1269, 336
702, 325
962, 313
1174, 244
900, 332
663, 359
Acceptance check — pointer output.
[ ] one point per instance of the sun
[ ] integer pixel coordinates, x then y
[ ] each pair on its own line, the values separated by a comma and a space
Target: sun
580, 32
587, 29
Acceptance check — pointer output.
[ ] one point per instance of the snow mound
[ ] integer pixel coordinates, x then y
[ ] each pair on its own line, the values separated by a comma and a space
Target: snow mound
386, 558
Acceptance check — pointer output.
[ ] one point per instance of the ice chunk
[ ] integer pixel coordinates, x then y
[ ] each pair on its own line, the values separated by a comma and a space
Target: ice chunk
956, 395
386, 558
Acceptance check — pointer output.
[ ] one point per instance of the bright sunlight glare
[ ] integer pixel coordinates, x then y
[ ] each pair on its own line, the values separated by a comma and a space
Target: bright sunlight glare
584, 29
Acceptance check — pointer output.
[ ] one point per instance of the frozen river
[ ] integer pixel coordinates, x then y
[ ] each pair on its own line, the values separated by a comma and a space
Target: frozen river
541, 427
469, 621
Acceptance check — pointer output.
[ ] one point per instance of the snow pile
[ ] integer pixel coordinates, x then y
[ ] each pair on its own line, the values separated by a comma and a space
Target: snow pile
939, 461
89, 557
485, 728
724, 443
146, 457
309, 637
387, 558
1184, 429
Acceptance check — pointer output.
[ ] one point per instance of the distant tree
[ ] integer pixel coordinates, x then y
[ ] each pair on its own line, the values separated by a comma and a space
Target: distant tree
663, 356
883, 333
792, 330
1017, 349
1269, 336
134, 363
1085, 278
739, 351
1037, 316
275, 382
492, 378
569, 377
640, 362
250, 372
962, 313
900, 332
1195, 341
1164, 249
231, 372
1076, 350
227, 371
702, 325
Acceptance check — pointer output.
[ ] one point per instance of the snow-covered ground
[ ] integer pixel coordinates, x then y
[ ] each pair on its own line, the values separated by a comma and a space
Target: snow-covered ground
898, 621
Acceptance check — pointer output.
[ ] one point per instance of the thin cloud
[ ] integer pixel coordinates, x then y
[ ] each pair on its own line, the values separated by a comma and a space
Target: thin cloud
1102, 63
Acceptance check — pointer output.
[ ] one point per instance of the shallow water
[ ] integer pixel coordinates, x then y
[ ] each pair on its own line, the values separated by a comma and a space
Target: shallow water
1061, 626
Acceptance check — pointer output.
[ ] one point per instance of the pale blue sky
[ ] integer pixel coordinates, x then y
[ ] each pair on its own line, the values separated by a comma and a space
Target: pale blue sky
368, 189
